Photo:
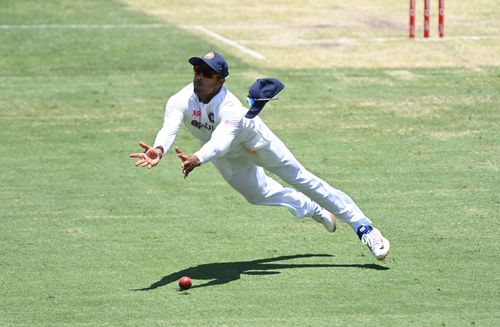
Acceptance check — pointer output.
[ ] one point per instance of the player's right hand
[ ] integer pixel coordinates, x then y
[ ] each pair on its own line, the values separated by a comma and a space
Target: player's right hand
149, 158
189, 162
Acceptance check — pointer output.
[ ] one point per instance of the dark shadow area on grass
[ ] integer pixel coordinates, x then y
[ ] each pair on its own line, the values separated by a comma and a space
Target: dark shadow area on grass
225, 272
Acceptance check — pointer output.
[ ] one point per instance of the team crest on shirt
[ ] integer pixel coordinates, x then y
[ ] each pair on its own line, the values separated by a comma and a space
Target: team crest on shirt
196, 113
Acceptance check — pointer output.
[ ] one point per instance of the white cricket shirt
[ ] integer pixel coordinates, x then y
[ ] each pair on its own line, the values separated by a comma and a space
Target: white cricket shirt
220, 125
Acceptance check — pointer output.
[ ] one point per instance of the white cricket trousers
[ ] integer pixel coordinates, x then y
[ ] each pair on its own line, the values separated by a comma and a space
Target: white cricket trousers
245, 173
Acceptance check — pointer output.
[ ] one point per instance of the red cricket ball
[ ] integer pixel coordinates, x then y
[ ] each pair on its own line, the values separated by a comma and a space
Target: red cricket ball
185, 283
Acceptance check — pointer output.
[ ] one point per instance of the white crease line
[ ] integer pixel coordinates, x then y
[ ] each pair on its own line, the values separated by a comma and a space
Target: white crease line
227, 41
131, 26
81, 26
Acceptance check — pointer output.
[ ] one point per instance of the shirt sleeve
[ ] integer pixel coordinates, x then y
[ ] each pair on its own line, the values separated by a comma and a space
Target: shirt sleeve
223, 135
174, 116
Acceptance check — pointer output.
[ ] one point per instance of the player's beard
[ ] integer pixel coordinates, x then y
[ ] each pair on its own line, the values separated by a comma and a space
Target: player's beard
198, 87
204, 94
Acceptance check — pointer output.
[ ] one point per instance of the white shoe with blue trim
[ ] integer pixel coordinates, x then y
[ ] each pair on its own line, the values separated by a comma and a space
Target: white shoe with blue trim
378, 244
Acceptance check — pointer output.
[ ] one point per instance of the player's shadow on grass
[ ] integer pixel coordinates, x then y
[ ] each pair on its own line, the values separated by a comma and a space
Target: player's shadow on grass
225, 272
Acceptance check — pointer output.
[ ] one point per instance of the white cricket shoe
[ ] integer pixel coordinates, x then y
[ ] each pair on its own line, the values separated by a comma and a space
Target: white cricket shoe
326, 219
378, 245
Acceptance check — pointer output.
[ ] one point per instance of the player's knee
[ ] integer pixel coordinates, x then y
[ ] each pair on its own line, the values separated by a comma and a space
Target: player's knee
254, 198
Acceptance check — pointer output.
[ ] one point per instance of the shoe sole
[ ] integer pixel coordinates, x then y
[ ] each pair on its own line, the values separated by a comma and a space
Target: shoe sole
334, 221
334, 224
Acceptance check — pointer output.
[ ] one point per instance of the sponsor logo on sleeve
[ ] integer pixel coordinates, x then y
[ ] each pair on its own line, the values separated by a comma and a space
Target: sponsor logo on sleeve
231, 123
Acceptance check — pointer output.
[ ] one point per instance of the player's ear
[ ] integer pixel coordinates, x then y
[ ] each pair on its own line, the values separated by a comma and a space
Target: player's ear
220, 82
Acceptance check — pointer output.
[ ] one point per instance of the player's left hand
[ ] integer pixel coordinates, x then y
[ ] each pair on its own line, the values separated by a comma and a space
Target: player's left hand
189, 163
149, 158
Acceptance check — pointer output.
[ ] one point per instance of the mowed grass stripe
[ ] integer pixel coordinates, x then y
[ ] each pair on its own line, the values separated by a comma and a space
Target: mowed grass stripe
82, 26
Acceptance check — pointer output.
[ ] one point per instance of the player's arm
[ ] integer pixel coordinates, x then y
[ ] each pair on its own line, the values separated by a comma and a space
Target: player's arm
172, 121
223, 135
219, 144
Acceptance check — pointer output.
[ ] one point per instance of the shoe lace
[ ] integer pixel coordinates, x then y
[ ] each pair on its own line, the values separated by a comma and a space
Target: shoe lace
373, 239
318, 216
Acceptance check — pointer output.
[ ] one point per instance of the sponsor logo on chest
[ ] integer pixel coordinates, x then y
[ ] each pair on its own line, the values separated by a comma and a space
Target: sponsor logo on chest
201, 125
198, 123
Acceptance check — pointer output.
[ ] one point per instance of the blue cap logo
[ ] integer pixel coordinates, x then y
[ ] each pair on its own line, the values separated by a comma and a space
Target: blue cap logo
209, 56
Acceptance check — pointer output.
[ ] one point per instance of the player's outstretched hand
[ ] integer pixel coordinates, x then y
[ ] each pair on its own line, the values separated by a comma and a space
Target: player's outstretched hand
149, 158
189, 163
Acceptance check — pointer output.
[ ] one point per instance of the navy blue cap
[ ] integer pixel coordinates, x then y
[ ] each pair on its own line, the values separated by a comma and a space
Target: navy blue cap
214, 61
263, 90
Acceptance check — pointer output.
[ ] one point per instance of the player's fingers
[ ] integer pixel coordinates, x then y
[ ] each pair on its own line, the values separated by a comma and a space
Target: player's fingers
187, 168
142, 162
181, 154
147, 159
138, 155
144, 145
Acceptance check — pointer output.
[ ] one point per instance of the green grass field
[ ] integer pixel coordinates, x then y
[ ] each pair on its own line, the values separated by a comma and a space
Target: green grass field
83, 232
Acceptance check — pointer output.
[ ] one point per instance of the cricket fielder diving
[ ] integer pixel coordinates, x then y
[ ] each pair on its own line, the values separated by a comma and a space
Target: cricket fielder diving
238, 143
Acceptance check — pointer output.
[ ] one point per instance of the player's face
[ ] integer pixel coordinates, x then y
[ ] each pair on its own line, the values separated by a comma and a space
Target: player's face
206, 82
